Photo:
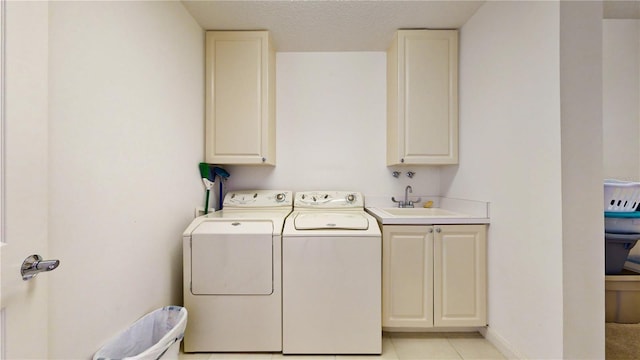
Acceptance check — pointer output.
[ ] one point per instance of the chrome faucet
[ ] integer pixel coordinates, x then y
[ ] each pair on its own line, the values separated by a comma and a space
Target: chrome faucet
406, 203
407, 190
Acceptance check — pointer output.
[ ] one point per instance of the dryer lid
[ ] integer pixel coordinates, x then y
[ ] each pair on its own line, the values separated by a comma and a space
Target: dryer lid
235, 226
331, 220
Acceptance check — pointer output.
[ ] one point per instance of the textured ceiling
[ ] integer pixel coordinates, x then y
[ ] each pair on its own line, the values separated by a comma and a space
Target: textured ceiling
330, 25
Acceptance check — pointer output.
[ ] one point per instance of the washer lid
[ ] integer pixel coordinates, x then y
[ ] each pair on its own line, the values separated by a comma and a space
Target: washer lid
331, 220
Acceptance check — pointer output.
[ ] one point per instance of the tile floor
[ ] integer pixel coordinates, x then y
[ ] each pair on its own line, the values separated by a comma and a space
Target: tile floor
398, 346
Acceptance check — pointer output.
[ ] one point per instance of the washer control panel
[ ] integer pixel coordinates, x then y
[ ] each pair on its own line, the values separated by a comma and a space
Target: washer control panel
328, 200
257, 199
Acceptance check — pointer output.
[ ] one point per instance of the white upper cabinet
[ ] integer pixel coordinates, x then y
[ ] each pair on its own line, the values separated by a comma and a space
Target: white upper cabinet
240, 98
422, 97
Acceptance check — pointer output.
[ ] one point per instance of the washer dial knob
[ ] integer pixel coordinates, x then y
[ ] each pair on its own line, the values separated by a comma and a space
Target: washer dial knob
280, 197
351, 198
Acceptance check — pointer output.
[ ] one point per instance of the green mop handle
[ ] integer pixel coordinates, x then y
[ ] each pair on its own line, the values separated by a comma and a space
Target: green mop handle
206, 203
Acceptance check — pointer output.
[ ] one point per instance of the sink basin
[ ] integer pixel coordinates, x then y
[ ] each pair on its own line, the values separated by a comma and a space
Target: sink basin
421, 212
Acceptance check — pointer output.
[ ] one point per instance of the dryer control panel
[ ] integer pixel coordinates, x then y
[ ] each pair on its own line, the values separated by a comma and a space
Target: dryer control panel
253, 199
323, 200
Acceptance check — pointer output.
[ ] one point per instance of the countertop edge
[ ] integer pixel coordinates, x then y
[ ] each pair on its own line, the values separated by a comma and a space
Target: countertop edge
438, 221
427, 220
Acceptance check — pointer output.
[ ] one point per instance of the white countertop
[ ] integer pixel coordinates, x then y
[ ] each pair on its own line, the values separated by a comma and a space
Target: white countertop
457, 211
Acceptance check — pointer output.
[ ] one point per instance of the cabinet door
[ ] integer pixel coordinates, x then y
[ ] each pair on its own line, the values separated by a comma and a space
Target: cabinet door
240, 110
460, 275
423, 98
407, 276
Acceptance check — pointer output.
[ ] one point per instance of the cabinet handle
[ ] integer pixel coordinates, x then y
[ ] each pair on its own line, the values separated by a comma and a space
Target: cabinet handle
438, 230
402, 160
430, 230
264, 159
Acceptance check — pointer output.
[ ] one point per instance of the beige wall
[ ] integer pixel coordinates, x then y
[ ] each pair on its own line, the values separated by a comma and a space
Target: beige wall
582, 173
621, 99
126, 133
125, 137
510, 156
331, 123
621, 104
531, 114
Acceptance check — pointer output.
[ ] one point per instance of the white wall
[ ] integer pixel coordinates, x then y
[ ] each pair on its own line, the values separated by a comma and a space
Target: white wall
331, 129
126, 134
621, 99
510, 156
582, 173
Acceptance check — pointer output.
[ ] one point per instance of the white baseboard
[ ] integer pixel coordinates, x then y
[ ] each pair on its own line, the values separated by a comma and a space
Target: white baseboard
501, 344
431, 330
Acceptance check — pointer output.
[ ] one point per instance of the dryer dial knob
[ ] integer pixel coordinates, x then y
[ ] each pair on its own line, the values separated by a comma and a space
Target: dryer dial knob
351, 198
280, 197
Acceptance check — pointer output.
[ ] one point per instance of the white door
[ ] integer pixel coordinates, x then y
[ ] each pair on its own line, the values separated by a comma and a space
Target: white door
24, 178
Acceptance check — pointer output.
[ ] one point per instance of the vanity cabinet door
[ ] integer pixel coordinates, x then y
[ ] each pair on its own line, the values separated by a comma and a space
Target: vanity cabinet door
422, 97
407, 279
460, 277
240, 98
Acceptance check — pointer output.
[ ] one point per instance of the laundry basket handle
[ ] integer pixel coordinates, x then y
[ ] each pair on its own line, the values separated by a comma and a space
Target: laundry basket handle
169, 344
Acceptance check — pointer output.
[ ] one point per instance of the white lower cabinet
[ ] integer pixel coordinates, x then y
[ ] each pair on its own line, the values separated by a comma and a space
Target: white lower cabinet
433, 276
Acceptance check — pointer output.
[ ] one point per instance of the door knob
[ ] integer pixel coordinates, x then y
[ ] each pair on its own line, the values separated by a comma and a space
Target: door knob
33, 265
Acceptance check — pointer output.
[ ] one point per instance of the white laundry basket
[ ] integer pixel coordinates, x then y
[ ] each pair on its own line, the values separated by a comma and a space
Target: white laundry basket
154, 336
621, 196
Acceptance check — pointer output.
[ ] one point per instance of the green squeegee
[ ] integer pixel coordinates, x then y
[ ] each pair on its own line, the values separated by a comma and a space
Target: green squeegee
207, 179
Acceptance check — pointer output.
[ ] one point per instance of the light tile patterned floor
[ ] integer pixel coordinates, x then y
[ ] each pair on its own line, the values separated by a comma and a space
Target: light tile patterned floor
396, 346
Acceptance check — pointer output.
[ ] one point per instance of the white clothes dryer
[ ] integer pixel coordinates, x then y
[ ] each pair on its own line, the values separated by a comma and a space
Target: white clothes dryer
232, 274
331, 261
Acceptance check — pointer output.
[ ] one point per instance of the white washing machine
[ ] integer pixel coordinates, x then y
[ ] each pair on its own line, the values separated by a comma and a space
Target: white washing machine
331, 277
232, 274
